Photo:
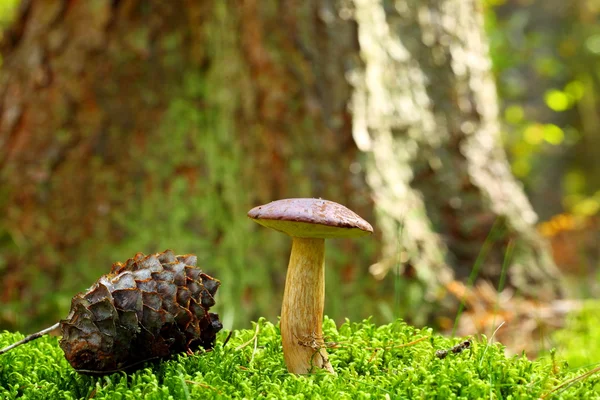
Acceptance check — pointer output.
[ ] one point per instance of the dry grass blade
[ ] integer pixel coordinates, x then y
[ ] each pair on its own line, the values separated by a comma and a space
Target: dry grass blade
249, 341
397, 346
204, 385
570, 381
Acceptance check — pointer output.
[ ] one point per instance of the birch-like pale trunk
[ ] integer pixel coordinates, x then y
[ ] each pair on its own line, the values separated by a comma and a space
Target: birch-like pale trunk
426, 113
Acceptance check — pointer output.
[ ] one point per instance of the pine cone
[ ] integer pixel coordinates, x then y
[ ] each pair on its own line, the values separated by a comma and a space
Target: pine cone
150, 307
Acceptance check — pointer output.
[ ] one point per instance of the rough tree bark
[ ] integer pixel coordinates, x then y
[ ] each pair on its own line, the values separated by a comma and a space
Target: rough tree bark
134, 125
425, 111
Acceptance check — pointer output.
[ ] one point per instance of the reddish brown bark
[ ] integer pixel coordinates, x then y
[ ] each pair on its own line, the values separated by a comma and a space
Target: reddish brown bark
106, 106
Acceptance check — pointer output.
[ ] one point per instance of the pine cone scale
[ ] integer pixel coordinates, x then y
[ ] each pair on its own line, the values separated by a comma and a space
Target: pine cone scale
97, 293
103, 309
124, 280
127, 299
210, 284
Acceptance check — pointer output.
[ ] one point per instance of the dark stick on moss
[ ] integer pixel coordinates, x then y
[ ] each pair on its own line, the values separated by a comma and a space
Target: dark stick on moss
227, 339
31, 337
441, 354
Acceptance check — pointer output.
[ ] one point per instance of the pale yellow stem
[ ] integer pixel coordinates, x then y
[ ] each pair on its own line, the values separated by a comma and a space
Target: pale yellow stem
302, 308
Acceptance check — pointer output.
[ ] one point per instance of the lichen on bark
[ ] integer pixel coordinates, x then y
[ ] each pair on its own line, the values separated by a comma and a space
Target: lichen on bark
425, 111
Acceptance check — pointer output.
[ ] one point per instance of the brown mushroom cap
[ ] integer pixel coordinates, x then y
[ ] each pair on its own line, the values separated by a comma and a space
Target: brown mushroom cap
310, 218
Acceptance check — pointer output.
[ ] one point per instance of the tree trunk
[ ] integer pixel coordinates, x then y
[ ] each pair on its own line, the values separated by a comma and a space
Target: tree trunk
425, 112
132, 125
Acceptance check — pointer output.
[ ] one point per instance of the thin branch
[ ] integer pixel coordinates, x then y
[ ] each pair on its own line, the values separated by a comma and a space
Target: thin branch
227, 339
31, 337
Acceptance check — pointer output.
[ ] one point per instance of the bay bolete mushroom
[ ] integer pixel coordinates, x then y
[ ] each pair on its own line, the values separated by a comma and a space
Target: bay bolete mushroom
309, 222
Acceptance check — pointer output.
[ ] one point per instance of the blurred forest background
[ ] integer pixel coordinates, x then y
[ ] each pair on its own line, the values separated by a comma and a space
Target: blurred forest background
131, 126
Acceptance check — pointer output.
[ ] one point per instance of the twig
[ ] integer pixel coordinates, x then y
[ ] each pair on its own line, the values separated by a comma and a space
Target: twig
399, 345
459, 348
31, 337
227, 339
204, 385
577, 378
249, 341
376, 349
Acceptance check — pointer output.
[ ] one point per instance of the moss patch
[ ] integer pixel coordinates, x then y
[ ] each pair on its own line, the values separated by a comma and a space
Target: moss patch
579, 343
390, 361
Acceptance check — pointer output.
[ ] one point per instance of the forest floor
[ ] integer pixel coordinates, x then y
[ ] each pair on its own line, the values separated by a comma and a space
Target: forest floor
390, 361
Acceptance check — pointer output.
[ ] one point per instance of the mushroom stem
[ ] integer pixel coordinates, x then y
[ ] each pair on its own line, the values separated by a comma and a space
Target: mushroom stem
302, 308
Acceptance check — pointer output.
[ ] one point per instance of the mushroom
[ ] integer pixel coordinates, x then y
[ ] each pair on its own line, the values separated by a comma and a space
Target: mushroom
309, 222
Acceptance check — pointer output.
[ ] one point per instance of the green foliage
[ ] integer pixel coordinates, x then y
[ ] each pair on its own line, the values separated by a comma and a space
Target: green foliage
390, 361
7, 11
545, 62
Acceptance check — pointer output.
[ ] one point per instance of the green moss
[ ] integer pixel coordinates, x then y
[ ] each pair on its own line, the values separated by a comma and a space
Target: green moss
578, 343
371, 362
